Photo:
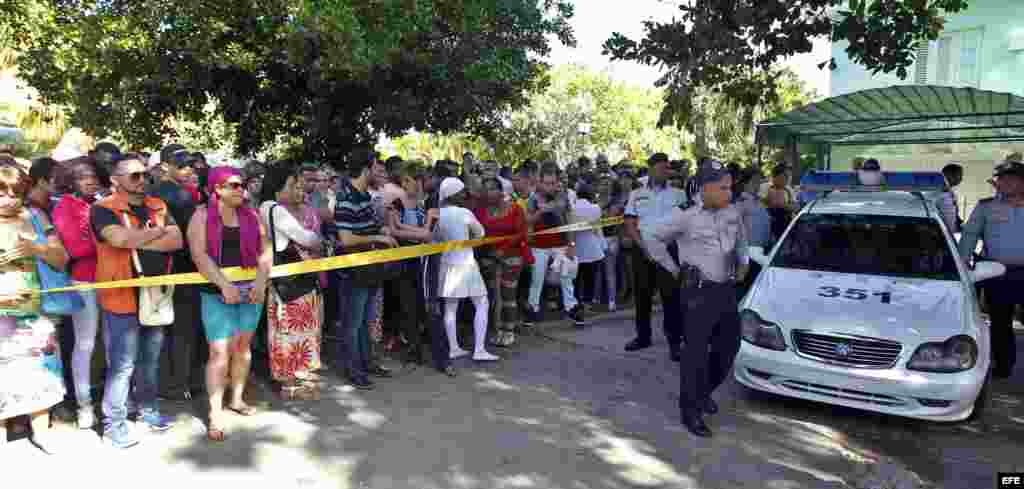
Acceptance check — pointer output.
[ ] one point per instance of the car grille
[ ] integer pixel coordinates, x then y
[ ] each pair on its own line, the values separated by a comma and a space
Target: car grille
842, 393
849, 351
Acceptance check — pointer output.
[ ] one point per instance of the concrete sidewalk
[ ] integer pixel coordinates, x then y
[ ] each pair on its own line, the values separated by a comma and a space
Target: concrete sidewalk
564, 409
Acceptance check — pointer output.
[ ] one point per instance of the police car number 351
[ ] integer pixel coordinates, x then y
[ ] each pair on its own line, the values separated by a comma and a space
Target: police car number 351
865, 302
853, 294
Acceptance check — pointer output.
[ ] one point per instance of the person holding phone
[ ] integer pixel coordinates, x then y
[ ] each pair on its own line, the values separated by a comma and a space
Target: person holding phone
224, 234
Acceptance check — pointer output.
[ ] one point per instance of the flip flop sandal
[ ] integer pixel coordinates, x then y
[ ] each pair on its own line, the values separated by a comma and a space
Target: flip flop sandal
243, 411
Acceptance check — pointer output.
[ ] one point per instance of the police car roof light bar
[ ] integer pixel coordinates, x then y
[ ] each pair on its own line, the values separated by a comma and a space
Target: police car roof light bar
906, 181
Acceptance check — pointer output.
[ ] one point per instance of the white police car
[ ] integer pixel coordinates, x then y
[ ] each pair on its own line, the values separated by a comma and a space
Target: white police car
864, 302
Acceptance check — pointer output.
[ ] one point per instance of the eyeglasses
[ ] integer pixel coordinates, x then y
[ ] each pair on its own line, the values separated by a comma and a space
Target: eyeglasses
232, 185
136, 175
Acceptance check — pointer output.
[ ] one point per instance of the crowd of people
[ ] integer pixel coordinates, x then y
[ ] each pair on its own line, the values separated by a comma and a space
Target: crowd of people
113, 216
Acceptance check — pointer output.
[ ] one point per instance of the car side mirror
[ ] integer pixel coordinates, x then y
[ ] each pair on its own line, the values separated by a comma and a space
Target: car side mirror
757, 254
984, 270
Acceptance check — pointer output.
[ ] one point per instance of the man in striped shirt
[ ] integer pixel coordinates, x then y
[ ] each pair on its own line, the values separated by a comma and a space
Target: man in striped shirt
358, 229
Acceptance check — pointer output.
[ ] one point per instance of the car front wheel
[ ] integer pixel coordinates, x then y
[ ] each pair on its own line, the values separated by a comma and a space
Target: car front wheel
983, 400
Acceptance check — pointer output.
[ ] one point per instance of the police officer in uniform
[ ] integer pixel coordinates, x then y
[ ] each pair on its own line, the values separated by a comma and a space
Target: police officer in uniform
999, 222
647, 204
712, 260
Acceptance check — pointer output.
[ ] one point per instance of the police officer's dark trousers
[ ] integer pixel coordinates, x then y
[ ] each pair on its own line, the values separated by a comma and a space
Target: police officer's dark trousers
646, 273
1004, 294
712, 341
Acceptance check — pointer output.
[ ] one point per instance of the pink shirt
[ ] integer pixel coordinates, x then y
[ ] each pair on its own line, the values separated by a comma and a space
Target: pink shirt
71, 218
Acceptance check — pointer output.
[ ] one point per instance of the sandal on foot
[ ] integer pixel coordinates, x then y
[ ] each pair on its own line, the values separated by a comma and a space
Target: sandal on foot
243, 410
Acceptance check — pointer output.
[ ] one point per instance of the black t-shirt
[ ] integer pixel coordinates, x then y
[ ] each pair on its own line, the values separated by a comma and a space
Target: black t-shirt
153, 262
179, 203
231, 248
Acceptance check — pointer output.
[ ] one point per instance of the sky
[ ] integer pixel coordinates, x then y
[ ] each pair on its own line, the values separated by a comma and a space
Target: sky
595, 20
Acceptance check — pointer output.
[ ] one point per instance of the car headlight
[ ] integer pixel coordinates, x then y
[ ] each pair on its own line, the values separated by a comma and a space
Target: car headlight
757, 331
956, 354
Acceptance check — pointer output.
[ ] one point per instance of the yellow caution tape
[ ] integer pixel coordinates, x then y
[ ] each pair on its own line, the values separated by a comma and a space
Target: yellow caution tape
236, 274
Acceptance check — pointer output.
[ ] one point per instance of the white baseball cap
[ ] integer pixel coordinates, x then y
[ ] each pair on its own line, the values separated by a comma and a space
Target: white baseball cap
449, 187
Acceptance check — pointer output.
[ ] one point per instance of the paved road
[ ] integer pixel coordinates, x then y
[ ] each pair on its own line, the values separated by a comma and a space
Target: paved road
565, 409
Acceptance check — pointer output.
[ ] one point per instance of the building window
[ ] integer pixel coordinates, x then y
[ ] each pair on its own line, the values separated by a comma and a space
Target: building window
958, 60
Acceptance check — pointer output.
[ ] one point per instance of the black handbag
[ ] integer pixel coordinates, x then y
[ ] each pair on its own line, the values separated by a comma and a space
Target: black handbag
295, 286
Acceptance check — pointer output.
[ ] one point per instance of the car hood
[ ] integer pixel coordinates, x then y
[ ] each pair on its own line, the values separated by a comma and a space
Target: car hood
899, 309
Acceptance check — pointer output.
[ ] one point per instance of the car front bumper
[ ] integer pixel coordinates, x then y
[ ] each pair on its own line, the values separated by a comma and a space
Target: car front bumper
896, 391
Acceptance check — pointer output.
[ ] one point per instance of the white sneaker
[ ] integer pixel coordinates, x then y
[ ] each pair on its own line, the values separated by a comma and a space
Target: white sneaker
611, 306
457, 354
483, 356
86, 418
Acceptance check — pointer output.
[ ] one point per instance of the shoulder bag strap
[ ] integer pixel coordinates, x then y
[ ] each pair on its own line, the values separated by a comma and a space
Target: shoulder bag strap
135, 253
273, 236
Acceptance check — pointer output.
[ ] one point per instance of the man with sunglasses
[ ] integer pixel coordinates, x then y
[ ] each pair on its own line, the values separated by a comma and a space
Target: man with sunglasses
128, 221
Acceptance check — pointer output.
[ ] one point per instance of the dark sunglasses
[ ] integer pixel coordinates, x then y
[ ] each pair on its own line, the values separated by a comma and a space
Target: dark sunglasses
137, 175
232, 185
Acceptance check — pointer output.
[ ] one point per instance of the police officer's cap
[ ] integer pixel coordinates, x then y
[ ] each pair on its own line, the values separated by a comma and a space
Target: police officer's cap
711, 171
1014, 168
657, 158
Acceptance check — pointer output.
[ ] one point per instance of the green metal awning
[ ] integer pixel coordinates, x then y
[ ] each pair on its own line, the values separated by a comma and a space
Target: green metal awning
906, 114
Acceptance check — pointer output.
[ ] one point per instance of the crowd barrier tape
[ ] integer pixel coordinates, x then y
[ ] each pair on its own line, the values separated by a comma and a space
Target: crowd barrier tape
236, 274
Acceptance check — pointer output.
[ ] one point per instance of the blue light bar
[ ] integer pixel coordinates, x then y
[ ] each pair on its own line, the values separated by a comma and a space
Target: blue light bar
906, 181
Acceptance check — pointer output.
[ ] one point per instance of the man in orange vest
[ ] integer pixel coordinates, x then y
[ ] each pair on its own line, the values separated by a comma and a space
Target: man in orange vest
128, 221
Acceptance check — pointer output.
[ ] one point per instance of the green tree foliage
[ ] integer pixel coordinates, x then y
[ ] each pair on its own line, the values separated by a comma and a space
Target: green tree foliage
730, 46
332, 74
725, 128
582, 111
429, 148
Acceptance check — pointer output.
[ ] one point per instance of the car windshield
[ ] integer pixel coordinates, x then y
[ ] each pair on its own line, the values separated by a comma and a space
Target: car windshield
892, 246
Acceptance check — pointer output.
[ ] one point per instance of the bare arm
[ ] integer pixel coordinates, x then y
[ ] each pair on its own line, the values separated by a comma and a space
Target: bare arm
410, 233
120, 236
350, 240
326, 214
258, 293
197, 245
170, 240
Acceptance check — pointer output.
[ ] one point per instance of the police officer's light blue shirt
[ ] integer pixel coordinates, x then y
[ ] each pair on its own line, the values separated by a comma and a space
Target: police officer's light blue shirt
650, 202
1001, 226
756, 218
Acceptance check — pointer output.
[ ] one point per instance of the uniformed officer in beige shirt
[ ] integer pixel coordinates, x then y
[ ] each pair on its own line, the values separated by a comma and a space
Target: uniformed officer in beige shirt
713, 259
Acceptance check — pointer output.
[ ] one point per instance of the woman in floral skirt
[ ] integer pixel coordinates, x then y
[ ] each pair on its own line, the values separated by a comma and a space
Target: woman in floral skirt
29, 355
293, 327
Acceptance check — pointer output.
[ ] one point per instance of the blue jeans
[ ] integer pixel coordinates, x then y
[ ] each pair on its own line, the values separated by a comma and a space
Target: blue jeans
354, 308
86, 323
129, 345
541, 262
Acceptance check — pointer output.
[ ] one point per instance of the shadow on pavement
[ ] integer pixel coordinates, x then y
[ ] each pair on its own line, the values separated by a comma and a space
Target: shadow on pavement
551, 415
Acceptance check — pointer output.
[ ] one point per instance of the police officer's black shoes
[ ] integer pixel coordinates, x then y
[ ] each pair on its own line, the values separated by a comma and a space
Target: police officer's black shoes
694, 421
576, 315
676, 355
709, 406
637, 344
